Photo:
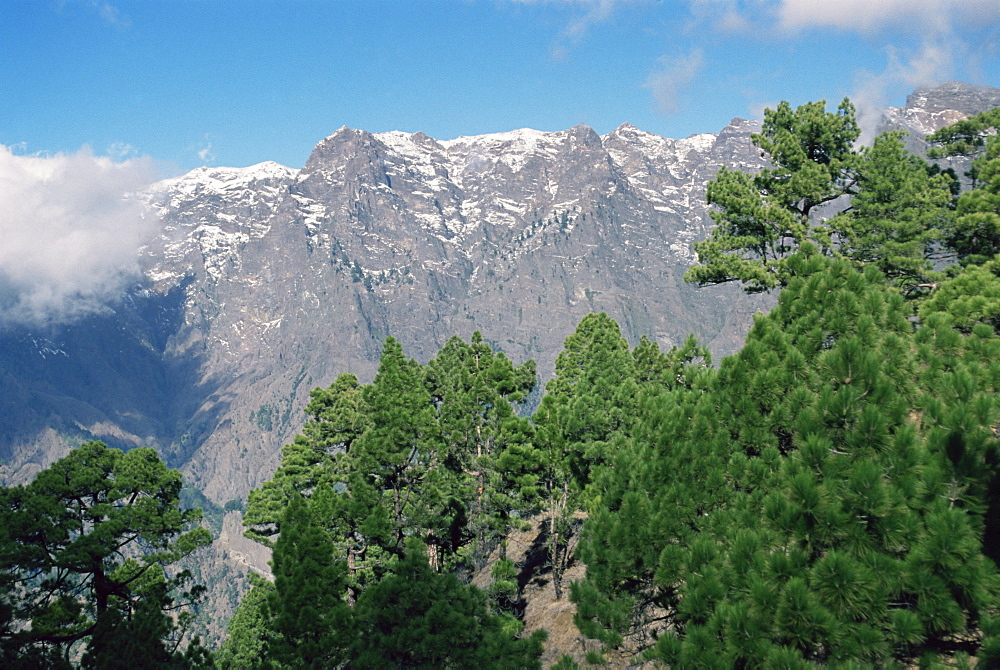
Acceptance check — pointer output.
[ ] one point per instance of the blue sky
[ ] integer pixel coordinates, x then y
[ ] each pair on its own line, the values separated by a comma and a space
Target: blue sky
211, 82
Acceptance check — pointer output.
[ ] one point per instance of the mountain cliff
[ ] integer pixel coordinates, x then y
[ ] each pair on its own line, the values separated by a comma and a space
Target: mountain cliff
268, 281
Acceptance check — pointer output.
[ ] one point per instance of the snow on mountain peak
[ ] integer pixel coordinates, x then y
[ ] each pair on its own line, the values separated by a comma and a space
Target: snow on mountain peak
413, 146
522, 140
700, 142
225, 179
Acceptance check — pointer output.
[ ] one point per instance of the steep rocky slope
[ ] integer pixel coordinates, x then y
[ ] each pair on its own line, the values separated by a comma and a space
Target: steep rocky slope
518, 235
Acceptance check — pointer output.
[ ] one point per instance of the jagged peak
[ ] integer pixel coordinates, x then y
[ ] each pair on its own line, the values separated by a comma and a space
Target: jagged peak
520, 137
627, 135
343, 130
954, 95
627, 130
630, 133
698, 141
738, 125
394, 136
341, 135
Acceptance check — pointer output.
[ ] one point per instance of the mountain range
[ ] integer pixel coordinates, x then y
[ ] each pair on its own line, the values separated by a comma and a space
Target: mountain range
265, 282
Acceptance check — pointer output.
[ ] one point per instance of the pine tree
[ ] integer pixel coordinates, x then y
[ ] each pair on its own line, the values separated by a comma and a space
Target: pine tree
418, 618
431, 455
761, 219
836, 426
971, 297
250, 632
975, 234
435, 452
586, 406
967, 137
313, 459
899, 206
677, 368
83, 552
310, 619
401, 465
473, 389
591, 398
898, 215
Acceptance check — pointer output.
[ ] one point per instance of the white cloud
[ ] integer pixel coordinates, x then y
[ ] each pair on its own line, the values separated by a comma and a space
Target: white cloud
934, 61
731, 21
70, 232
728, 16
111, 15
872, 15
123, 151
943, 35
889, 17
925, 41
597, 11
669, 81
757, 109
593, 12
205, 152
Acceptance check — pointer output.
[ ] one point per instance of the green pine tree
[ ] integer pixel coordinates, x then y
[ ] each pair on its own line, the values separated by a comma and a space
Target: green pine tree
975, 234
87, 552
761, 219
250, 631
899, 207
795, 510
898, 215
419, 618
971, 297
486, 443
587, 405
310, 618
313, 459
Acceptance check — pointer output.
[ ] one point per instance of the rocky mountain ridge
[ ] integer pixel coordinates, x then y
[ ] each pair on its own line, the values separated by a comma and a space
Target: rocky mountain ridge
516, 234
267, 281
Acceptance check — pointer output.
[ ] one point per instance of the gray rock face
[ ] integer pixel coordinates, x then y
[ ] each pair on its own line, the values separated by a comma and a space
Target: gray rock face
268, 281
292, 278
929, 108
967, 99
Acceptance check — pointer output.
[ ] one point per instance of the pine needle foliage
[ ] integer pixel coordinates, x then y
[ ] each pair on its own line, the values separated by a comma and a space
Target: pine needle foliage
87, 564
875, 205
822, 501
431, 456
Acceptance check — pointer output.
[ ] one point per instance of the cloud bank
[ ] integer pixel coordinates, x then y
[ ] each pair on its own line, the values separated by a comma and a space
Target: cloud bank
869, 16
69, 233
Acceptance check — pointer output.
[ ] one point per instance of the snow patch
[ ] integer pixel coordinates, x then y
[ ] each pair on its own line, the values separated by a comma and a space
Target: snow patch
224, 179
